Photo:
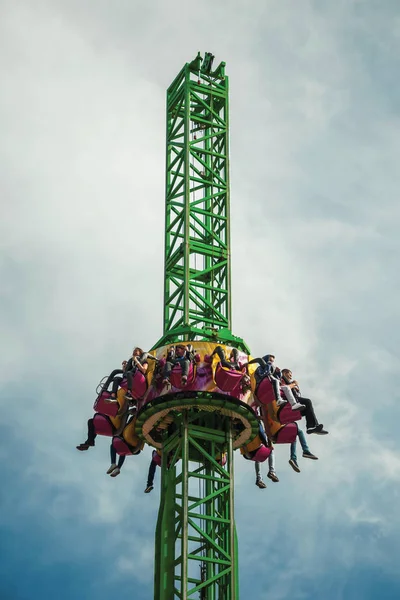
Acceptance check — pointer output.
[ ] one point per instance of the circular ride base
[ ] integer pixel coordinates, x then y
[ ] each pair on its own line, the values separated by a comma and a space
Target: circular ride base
165, 412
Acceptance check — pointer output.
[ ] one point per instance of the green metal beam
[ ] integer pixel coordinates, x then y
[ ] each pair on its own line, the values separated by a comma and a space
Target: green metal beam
196, 548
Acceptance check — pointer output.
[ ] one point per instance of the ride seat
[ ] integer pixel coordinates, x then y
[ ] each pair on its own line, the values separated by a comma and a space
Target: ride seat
103, 425
265, 392
176, 376
139, 385
287, 415
286, 434
228, 380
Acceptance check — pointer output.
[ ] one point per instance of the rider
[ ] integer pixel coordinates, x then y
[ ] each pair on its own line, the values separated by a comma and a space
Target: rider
232, 362
138, 361
268, 369
179, 355
306, 405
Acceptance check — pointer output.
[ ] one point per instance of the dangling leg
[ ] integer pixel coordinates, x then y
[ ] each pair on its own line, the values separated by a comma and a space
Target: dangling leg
129, 381
293, 457
116, 383
259, 480
185, 370
91, 437
117, 469
113, 457
110, 378
167, 372
150, 477
271, 465
277, 390
291, 399
306, 450
311, 419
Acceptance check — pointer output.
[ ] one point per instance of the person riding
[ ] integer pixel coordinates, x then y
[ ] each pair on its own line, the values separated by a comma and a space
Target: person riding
268, 369
306, 405
138, 361
181, 355
91, 435
233, 360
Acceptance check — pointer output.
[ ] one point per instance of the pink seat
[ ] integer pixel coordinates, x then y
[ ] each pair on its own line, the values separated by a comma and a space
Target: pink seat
103, 425
226, 379
287, 415
176, 376
261, 454
287, 434
120, 446
139, 385
106, 408
265, 392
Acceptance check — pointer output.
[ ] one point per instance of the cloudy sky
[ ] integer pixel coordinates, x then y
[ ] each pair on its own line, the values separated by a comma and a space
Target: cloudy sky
315, 215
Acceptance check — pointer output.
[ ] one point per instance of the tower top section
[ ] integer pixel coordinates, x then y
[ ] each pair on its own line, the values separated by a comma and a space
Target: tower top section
197, 283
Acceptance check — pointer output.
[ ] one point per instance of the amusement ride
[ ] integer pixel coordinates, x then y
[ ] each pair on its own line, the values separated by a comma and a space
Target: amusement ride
197, 395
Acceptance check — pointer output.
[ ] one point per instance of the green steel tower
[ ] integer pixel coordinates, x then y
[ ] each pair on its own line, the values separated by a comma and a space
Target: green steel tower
195, 430
197, 302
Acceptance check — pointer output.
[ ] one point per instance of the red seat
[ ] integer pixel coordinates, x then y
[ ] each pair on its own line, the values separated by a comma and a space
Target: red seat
103, 425
106, 408
261, 454
228, 380
287, 434
123, 448
139, 385
287, 415
176, 376
265, 391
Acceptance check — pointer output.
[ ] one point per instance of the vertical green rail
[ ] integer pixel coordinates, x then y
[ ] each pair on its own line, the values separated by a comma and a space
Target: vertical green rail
196, 538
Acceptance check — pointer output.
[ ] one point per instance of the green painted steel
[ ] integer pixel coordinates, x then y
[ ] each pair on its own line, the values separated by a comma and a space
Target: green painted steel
196, 545
197, 302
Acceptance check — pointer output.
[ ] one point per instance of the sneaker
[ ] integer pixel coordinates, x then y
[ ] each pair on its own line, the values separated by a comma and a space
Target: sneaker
297, 406
83, 447
116, 472
310, 455
281, 401
294, 465
111, 469
261, 484
322, 432
128, 396
148, 489
184, 380
316, 429
166, 382
273, 476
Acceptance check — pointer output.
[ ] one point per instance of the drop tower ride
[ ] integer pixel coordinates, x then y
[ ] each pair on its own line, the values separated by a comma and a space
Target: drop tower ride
197, 427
